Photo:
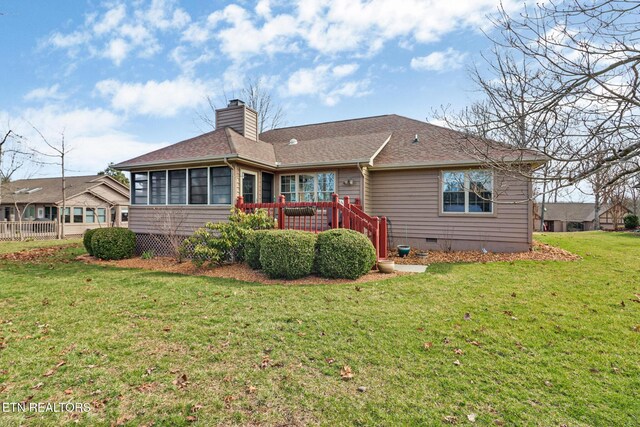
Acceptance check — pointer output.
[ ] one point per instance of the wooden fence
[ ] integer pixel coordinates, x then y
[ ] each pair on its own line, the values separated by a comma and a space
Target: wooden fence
320, 216
28, 230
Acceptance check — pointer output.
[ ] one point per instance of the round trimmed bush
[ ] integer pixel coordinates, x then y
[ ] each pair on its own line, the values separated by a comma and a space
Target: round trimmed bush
631, 221
86, 240
287, 254
113, 243
342, 253
252, 242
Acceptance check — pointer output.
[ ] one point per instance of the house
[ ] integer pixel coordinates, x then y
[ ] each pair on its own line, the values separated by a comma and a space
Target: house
434, 194
570, 216
91, 202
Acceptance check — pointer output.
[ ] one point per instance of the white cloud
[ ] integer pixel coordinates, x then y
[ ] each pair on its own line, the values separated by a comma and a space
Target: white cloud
45, 93
445, 60
115, 34
154, 98
325, 82
91, 136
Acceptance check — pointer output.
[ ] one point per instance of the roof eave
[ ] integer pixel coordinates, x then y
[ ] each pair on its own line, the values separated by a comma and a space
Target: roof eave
439, 164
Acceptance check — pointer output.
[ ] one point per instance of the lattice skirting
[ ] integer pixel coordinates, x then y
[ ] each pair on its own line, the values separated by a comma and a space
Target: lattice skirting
159, 244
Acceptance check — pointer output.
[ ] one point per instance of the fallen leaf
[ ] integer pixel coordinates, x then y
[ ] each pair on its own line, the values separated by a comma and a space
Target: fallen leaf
458, 351
191, 418
166, 328
446, 341
49, 373
476, 343
37, 386
450, 419
89, 279
467, 316
362, 389
251, 389
265, 362
472, 417
330, 360
513, 294
548, 383
508, 312
68, 391
196, 407
427, 345
636, 328
457, 362
345, 373
358, 289
181, 381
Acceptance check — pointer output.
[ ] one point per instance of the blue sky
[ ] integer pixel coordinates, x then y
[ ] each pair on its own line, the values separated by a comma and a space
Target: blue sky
123, 78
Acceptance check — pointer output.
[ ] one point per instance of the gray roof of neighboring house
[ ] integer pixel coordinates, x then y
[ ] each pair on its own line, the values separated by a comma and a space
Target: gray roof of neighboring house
49, 190
572, 211
383, 141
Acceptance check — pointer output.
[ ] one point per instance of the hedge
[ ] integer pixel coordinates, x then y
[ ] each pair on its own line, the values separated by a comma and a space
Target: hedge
86, 240
252, 248
287, 254
113, 243
342, 253
631, 221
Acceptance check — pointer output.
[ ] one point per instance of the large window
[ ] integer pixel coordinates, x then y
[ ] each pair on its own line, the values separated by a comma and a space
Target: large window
78, 215
467, 191
198, 186
139, 189
178, 187
102, 215
220, 185
158, 187
308, 187
90, 215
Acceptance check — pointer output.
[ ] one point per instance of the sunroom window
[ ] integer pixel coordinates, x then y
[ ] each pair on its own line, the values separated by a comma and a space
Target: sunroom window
468, 191
139, 188
308, 187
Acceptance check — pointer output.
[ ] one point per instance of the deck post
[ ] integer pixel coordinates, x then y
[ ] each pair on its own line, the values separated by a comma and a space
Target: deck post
334, 211
240, 202
281, 202
375, 236
346, 217
383, 238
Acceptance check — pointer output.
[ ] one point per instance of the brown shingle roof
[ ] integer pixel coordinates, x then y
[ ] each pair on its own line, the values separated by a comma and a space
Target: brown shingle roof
48, 190
356, 140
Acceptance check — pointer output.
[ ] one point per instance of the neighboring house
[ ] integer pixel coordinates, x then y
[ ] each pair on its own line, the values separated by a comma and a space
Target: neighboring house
92, 202
570, 216
414, 173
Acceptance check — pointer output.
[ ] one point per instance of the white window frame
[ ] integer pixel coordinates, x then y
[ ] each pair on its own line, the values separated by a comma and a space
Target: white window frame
315, 182
467, 191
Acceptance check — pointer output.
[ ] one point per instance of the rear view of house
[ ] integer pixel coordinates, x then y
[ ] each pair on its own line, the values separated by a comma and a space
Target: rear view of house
434, 193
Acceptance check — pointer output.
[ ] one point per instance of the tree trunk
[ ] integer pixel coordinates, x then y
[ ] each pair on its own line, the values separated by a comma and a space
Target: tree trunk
596, 219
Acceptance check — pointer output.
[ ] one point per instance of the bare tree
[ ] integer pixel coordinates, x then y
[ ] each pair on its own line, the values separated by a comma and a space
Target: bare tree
14, 156
59, 152
256, 96
564, 78
170, 223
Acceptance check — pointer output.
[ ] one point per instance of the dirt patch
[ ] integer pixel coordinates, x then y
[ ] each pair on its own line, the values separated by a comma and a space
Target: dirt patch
539, 252
36, 254
230, 271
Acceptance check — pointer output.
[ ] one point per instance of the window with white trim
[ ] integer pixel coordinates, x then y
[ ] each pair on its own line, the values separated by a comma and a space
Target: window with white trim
308, 187
139, 188
467, 191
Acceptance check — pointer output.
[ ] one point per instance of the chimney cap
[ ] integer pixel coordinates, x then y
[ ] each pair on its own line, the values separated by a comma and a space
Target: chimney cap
235, 103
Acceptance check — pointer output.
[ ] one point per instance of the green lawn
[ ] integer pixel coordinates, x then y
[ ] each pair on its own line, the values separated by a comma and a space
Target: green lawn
547, 343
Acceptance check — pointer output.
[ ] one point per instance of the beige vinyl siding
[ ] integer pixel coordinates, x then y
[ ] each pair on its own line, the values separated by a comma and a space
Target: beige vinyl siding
115, 197
241, 119
411, 199
148, 219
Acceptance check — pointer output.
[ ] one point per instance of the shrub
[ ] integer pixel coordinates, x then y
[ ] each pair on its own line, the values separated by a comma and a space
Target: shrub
86, 240
150, 254
344, 253
287, 254
113, 243
252, 242
224, 241
631, 221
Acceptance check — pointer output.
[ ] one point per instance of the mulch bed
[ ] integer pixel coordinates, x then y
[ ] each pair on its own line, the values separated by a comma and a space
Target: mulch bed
230, 271
539, 252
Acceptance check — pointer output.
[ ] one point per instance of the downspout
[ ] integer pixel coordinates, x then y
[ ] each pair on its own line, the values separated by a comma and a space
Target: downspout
362, 186
233, 171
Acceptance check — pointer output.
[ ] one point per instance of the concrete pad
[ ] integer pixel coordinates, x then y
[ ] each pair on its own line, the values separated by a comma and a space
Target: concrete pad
411, 268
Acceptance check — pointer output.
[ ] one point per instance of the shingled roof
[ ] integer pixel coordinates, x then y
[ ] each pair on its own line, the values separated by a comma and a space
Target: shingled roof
381, 141
49, 190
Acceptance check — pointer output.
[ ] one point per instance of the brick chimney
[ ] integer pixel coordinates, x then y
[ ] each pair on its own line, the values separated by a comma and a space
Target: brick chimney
240, 118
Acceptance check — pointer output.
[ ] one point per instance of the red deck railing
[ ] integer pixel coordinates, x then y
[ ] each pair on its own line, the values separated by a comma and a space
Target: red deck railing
320, 216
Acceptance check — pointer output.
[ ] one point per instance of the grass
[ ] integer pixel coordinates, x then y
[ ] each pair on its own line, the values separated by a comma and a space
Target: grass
8, 247
556, 344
